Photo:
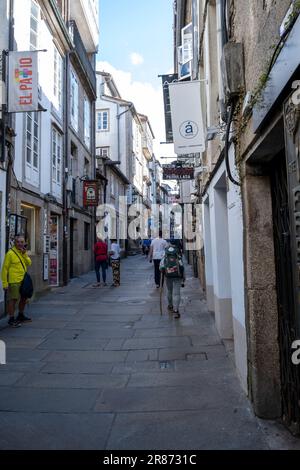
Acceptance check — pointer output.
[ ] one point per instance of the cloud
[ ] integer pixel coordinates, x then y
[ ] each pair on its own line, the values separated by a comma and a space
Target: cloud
147, 99
136, 59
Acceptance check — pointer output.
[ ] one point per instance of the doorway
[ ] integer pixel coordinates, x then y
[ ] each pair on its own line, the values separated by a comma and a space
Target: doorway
287, 325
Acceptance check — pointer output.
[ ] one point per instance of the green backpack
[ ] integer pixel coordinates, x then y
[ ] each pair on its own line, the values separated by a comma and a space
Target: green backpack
173, 266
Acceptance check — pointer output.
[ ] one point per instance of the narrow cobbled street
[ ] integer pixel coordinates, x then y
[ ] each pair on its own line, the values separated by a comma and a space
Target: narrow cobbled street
100, 368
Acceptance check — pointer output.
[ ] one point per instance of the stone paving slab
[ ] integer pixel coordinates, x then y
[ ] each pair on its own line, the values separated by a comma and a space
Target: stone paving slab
9, 378
71, 381
133, 367
23, 343
77, 367
227, 382
205, 430
25, 355
86, 356
21, 367
84, 431
163, 342
47, 400
142, 355
172, 330
167, 398
126, 317
25, 331
73, 345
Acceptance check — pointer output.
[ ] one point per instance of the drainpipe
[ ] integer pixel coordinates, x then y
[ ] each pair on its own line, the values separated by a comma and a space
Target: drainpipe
66, 173
7, 120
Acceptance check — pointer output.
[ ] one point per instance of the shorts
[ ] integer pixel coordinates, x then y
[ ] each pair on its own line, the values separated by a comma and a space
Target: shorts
13, 292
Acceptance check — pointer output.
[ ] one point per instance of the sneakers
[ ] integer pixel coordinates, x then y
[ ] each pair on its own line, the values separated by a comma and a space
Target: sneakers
170, 308
13, 323
176, 314
22, 319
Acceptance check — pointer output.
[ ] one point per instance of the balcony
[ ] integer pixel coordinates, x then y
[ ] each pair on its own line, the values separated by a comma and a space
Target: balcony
85, 13
79, 49
147, 146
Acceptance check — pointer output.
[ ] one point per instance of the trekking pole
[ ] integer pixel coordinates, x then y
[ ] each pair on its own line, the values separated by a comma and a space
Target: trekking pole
161, 291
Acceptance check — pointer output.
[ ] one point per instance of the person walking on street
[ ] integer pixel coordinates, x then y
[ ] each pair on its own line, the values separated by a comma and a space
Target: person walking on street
101, 260
146, 246
115, 262
14, 268
172, 268
157, 250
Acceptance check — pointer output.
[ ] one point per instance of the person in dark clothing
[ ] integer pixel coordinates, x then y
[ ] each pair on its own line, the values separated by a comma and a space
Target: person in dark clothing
101, 261
178, 243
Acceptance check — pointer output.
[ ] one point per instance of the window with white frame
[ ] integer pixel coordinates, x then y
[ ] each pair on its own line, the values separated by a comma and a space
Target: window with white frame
74, 101
103, 152
34, 25
56, 156
87, 122
103, 120
57, 79
32, 148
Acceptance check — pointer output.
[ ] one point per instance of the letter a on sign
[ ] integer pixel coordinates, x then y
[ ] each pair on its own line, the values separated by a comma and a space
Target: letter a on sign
186, 114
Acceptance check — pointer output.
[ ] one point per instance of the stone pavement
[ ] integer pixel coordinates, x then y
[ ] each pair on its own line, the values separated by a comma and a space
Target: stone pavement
100, 368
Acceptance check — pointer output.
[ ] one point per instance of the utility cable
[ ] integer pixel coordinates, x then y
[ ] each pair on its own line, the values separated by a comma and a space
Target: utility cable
226, 149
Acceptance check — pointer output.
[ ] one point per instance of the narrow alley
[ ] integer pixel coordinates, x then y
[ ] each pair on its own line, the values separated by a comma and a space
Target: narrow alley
102, 366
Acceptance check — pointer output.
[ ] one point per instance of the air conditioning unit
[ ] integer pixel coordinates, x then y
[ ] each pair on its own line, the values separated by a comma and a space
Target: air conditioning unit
232, 66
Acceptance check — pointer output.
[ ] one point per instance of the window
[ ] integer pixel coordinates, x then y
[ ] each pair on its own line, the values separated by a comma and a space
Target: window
133, 164
29, 212
32, 147
86, 169
34, 25
86, 236
103, 120
87, 122
103, 152
74, 101
57, 79
74, 160
56, 156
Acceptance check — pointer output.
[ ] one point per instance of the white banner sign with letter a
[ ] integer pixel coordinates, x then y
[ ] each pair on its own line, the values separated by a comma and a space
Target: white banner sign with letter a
23, 82
186, 113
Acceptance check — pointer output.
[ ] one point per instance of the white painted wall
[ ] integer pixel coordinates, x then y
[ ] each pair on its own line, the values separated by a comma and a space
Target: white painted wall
48, 101
235, 227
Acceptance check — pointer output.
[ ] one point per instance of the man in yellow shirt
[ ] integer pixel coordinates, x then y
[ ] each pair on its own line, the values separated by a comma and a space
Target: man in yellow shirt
13, 270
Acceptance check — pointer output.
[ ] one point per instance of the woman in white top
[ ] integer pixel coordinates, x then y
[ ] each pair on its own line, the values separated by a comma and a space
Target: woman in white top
115, 262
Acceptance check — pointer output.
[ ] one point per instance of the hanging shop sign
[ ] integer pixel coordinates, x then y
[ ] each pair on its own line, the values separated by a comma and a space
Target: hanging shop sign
22, 81
166, 79
178, 173
90, 193
187, 122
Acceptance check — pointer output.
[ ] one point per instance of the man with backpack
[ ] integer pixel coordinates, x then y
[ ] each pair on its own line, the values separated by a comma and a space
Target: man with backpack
14, 270
172, 268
